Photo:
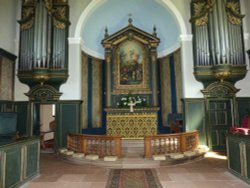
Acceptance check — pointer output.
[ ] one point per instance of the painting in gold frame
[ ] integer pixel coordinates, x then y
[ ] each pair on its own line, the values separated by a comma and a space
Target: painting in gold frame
131, 66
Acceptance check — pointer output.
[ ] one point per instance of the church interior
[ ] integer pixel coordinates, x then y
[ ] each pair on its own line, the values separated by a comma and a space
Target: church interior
90, 87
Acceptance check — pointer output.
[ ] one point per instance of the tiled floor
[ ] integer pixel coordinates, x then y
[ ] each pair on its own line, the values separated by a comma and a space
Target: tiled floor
204, 173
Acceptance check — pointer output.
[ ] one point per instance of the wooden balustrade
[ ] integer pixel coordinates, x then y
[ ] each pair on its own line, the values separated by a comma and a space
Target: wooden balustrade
95, 144
103, 145
170, 143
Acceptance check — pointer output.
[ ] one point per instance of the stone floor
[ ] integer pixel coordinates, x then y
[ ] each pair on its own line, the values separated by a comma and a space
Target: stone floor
204, 173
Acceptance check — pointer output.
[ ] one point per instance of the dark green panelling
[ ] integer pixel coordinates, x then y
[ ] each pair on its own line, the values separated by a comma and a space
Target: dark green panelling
1, 168
234, 155
248, 159
242, 105
32, 156
13, 166
1, 106
22, 109
6, 106
67, 121
223, 137
238, 148
36, 119
214, 139
219, 121
194, 117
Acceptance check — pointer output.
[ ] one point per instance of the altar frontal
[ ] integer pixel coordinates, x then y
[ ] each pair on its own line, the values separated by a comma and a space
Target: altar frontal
132, 125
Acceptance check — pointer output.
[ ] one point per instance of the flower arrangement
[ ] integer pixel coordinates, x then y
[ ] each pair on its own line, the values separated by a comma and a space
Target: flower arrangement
138, 100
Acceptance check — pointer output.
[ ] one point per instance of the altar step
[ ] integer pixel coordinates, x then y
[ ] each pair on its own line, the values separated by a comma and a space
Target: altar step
132, 148
131, 162
132, 157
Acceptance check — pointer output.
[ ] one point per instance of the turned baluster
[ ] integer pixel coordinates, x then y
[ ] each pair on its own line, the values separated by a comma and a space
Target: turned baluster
118, 146
148, 147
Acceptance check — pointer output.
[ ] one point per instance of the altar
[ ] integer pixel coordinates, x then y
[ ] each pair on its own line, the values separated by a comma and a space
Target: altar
132, 125
131, 89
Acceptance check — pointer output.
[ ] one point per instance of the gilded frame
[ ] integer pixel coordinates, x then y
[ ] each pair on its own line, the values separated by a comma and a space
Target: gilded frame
131, 66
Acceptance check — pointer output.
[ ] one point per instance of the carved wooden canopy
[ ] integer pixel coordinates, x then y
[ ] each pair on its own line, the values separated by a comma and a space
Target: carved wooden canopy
124, 49
130, 33
131, 58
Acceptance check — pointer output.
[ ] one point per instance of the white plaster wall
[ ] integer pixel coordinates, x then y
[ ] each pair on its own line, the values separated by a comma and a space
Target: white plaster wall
19, 89
76, 9
191, 87
9, 38
247, 13
72, 88
184, 8
8, 25
247, 22
244, 85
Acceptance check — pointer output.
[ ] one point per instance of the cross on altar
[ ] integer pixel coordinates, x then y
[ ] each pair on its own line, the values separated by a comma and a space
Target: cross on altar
131, 104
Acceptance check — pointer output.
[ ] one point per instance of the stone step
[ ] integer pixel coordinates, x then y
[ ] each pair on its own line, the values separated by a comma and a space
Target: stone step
132, 162
133, 148
133, 157
132, 143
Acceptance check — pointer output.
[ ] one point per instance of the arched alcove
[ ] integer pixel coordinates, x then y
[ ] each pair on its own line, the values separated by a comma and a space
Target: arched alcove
114, 14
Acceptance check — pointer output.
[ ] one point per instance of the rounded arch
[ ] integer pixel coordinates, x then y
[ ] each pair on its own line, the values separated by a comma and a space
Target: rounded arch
178, 16
95, 4
85, 14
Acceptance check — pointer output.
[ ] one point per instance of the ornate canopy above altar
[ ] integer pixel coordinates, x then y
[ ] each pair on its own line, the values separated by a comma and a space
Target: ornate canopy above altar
131, 65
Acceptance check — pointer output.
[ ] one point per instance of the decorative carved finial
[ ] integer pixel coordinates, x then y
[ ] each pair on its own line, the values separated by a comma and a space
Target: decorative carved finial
222, 75
130, 20
106, 32
154, 31
41, 78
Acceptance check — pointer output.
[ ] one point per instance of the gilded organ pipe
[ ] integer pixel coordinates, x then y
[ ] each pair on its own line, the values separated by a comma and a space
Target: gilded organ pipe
218, 32
44, 28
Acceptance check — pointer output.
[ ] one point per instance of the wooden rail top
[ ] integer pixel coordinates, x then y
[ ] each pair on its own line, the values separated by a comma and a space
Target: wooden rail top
101, 145
95, 136
104, 145
170, 143
171, 135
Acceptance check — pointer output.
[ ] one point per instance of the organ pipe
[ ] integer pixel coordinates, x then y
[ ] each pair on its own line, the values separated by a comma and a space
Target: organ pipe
217, 26
44, 28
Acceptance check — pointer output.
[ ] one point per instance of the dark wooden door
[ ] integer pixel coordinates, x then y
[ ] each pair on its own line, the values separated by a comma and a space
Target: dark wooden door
36, 119
219, 122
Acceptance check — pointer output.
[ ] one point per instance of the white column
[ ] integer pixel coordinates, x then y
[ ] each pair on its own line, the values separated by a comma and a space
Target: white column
191, 87
72, 88
243, 85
